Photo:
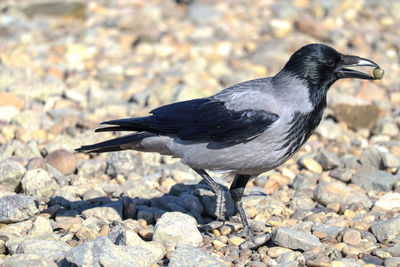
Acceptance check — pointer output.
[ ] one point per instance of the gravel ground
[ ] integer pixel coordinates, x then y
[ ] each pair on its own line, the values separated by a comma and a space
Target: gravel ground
66, 66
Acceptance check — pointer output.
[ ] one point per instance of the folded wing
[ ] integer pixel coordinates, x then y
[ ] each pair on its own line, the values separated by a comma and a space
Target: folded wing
205, 119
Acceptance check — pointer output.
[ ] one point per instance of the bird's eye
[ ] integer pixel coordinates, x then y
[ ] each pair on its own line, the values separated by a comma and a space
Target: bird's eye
330, 63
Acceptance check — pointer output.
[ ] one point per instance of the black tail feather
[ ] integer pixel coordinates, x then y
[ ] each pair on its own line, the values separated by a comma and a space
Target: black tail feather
114, 144
113, 129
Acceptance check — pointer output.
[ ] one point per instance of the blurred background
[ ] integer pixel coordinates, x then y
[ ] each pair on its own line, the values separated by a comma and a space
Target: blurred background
119, 57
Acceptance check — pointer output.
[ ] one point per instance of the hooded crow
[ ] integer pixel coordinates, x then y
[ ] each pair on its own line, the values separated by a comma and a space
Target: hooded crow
247, 128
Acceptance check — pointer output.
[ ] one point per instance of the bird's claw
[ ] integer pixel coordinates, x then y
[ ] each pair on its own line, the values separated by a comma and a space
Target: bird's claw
245, 233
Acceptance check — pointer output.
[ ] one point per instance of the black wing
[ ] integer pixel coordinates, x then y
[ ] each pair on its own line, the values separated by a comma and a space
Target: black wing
204, 119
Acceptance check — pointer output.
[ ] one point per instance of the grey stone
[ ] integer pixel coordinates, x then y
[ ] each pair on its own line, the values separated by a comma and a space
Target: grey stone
386, 126
390, 200
137, 188
28, 260
10, 175
175, 228
123, 162
336, 192
107, 213
343, 175
302, 203
386, 230
38, 183
350, 262
202, 13
390, 160
102, 251
287, 238
392, 262
27, 151
45, 248
28, 119
304, 227
372, 260
8, 149
305, 181
395, 250
371, 157
41, 226
118, 235
331, 232
17, 208
328, 160
188, 256
329, 130
92, 193
292, 257
371, 179
133, 239
7, 113
91, 167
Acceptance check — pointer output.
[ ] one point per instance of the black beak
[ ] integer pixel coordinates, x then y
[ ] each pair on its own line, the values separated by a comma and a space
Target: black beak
354, 61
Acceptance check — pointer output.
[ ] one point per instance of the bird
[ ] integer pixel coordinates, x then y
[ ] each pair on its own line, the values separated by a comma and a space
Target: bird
246, 129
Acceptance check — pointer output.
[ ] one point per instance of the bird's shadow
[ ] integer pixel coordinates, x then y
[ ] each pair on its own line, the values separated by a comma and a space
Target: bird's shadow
197, 200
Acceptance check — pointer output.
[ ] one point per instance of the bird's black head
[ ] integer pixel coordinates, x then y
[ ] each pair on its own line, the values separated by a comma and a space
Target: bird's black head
320, 66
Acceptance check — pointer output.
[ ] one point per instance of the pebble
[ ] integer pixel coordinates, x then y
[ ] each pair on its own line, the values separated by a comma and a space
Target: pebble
329, 130
42, 247
123, 162
388, 201
63, 160
107, 213
386, 230
330, 232
333, 192
390, 161
39, 183
295, 239
40, 226
328, 160
28, 260
218, 245
17, 208
11, 174
358, 116
371, 179
392, 262
352, 237
91, 167
275, 252
186, 255
311, 165
176, 228
93, 253
235, 240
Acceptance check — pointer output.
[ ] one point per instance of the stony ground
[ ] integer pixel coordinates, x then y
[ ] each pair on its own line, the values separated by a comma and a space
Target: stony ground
66, 66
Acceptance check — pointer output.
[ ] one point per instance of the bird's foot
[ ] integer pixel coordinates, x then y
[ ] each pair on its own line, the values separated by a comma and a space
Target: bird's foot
252, 241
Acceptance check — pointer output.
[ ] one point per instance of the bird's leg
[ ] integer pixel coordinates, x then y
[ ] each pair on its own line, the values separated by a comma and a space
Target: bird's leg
220, 210
237, 190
